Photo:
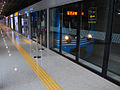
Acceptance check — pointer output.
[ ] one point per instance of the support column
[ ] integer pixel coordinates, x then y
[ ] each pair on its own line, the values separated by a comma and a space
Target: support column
47, 27
19, 24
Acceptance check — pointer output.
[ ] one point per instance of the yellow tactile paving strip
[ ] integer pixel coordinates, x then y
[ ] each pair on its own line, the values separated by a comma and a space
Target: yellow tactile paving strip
43, 76
27, 41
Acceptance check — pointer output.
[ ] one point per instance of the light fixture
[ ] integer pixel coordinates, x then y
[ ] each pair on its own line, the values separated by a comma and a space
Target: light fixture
4, 2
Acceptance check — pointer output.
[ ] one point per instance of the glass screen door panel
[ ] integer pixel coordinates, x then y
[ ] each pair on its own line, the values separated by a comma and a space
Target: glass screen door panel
34, 26
69, 30
24, 23
54, 32
44, 27
92, 33
114, 59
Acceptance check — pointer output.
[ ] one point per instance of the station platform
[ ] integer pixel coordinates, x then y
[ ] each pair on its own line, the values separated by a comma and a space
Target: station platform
19, 70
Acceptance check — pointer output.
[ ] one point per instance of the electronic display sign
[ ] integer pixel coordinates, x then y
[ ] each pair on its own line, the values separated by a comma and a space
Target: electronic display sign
73, 13
92, 15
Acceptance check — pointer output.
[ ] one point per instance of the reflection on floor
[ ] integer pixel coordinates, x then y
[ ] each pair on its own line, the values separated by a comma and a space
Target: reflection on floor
16, 74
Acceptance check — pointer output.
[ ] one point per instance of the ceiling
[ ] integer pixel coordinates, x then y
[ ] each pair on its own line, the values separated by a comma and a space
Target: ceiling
12, 6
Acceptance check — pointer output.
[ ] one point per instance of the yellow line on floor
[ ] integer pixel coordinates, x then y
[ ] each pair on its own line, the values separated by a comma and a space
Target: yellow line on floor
43, 76
27, 41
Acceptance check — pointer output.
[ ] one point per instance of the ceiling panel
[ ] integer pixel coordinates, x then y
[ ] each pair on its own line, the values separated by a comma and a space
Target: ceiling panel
12, 6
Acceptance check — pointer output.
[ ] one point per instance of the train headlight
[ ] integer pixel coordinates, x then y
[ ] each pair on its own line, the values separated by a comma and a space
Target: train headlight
89, 36
66, 37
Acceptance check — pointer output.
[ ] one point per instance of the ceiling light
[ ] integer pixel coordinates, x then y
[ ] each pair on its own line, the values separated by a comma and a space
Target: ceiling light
4, 2
3, 5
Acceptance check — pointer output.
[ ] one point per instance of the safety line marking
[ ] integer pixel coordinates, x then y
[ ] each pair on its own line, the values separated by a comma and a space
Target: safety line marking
43, 76
27, 41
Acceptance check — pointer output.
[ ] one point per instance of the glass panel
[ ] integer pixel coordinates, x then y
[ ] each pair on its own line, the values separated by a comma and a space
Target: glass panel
44, 27
11, 22
69, 30
54, 28
24, 23
92, 34
6, 21
34, 26
16, 23
114, 60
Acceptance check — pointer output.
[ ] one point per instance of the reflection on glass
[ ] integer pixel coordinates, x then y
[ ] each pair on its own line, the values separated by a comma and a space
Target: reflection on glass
11, 22
34, 25
69, 32
43, 27
24, 22
16, 23
55, 28
92, 33
6, 21
114, 59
